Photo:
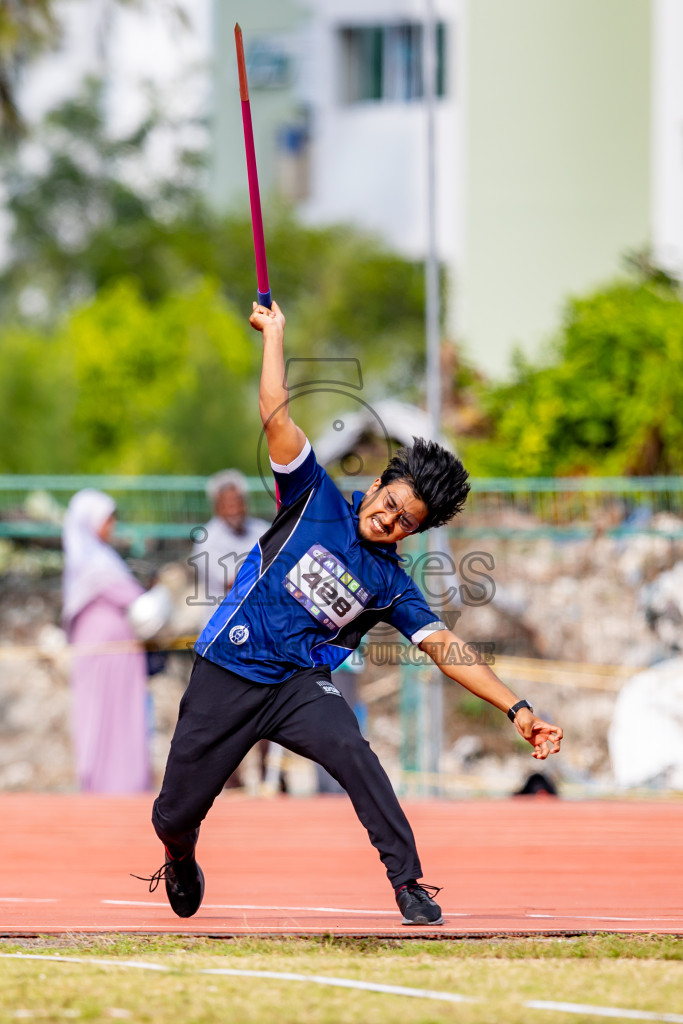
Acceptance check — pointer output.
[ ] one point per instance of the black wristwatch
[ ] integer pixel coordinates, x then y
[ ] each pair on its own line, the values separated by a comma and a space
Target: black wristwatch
515, 708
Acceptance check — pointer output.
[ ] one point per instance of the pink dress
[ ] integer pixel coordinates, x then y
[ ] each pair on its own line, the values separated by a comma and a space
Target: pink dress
109, 696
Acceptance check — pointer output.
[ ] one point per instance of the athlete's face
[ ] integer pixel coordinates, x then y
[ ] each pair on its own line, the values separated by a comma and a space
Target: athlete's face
388, 514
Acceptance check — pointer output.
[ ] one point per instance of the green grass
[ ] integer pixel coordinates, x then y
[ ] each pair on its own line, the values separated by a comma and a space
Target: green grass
632, 972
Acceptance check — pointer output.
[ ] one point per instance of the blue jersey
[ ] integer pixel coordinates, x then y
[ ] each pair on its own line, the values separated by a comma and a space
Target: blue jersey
311, 587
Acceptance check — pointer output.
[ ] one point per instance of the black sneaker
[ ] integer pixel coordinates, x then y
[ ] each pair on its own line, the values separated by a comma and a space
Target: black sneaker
416, 904
184, 884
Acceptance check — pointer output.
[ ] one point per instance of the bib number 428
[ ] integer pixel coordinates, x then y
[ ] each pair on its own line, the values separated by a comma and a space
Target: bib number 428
326, 592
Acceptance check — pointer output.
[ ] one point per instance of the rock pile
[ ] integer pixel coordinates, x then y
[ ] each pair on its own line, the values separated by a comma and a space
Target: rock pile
604, 601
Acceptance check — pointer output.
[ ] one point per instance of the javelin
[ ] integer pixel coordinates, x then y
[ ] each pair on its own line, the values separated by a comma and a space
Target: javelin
252, 175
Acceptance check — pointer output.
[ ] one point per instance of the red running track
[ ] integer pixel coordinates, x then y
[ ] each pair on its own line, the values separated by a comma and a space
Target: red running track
292, 866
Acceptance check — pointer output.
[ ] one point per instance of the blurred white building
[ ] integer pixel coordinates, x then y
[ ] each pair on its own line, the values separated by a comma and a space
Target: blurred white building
559, 130
666, 134
337, 104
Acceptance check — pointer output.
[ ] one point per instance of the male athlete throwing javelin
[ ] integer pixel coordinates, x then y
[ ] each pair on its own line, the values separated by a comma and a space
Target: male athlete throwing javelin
323, 574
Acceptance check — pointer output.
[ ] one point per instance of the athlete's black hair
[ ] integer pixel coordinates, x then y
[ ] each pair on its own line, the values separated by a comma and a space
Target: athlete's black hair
436, 477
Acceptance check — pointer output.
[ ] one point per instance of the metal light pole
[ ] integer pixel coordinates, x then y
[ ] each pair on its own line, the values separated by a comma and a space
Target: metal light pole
432, 297
422, 686
433, 703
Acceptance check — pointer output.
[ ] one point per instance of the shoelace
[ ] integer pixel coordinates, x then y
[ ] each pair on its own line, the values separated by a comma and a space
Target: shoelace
157, 877
422, 889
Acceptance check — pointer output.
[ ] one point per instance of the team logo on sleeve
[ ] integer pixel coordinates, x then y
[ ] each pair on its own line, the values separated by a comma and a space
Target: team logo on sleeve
326, 589
239, 634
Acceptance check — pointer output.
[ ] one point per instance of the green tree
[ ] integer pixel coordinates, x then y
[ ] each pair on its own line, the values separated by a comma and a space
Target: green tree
79, 224
29, 28
608, 399
26, 29
345, 294
99, 253
128, 386
36, 398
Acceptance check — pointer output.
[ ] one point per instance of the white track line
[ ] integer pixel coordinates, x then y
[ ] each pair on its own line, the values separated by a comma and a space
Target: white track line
365, 986
392, 913
253, 906
603, 916
311, 979
317, 910
605, 1011
345, 910
134, 903
25, 899
139, 964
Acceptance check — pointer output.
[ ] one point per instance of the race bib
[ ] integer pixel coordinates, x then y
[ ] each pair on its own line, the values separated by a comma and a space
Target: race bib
326, 589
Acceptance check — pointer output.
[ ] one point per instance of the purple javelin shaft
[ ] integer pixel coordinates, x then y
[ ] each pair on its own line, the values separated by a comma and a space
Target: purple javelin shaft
255, 201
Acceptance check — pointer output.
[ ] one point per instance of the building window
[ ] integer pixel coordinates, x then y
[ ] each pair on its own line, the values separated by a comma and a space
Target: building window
267, 65
386, 62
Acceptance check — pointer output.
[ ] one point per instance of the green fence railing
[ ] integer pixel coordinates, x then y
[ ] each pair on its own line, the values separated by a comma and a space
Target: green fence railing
153, 508
574, 507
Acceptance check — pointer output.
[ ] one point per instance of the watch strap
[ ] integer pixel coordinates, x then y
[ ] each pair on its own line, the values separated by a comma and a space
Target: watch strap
515, 708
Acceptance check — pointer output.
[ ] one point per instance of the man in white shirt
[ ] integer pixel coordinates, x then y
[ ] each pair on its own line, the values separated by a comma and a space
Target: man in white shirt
222, 544
220, 547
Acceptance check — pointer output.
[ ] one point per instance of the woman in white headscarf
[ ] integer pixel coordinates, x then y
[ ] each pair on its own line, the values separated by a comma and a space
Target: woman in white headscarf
108, 673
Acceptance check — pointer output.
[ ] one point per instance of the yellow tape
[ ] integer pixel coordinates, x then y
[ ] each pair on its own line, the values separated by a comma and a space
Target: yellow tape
531, 670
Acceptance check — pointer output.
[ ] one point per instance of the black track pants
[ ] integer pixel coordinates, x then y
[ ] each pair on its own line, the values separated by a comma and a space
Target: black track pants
223, 715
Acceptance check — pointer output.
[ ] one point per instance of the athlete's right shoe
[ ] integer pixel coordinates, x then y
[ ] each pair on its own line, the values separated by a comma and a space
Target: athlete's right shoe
416, 904
184, 883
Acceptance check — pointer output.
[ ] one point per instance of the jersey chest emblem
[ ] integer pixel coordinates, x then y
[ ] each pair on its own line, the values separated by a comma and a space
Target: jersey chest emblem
326, 589
239, 634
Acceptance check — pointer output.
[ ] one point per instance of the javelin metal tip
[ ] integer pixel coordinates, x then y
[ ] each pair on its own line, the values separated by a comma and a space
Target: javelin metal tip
241, 66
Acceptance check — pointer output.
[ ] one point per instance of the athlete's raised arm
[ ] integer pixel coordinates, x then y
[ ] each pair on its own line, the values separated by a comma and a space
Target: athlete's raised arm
285, 439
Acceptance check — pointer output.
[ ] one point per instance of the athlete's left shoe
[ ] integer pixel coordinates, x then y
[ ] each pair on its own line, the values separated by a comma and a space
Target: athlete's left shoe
184, 883
416, 904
